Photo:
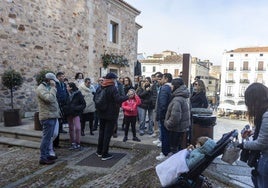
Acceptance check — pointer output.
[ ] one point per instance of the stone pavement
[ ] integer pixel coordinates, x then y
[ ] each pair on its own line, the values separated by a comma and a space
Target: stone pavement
138, 158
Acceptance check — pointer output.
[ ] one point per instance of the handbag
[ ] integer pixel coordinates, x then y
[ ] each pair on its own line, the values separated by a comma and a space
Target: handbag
231, 152
250, 157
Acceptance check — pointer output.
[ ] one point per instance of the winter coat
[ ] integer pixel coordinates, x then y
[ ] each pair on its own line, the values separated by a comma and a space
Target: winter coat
127, 88
146, 98
130, 106
199, 100
114, 100
198, 154
154, 90
62, 93
163, 100
88, 96
178, 113
47, 102
75, 104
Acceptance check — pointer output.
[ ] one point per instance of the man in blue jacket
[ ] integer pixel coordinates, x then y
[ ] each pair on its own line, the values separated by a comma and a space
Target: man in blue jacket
163, 99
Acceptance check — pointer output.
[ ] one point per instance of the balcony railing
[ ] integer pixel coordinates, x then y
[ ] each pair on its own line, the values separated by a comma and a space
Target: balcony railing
230, 69
260, 69
245, 81
229, 94
229, 81
245, 69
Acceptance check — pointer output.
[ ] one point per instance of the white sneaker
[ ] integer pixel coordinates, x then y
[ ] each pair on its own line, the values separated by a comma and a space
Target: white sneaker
161, 157
159, 144
156, 142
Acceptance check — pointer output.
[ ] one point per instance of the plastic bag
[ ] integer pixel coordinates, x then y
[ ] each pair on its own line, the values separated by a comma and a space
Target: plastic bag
231, 152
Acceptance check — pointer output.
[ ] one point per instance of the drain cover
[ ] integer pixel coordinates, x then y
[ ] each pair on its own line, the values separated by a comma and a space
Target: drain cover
94, 161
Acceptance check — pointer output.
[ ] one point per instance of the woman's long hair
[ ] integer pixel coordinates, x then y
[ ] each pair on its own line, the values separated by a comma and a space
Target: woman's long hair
256, 100
202, 87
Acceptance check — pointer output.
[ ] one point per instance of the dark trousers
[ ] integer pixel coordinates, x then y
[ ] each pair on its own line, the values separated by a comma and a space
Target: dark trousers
164, 138
176, 141
130, 120
105, 133
87, 117
96, 120
56, 142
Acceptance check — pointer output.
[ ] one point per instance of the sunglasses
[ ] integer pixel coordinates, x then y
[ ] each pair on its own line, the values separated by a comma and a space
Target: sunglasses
196, 84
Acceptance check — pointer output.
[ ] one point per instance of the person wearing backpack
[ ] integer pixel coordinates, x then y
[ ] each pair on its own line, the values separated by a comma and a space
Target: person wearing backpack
109, 97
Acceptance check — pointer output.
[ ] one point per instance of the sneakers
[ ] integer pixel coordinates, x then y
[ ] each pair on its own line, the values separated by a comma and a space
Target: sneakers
136, 139
46, 162
79, 147
159, 144
161, 157
98, 155
125, 139
73, 146
156, 142
106, 157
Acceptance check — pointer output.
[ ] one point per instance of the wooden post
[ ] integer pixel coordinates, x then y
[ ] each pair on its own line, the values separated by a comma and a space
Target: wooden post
186, 69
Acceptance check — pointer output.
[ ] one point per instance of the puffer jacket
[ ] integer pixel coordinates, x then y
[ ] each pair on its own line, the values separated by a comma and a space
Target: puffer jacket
88, 96
178, 113
146, 98
130, 106
75, 104
47, 102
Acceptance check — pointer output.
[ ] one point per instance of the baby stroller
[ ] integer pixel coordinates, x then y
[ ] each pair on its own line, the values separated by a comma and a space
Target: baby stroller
193, 178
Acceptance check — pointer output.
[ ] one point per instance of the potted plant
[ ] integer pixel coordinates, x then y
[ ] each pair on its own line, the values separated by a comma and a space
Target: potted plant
12, 80
39, 79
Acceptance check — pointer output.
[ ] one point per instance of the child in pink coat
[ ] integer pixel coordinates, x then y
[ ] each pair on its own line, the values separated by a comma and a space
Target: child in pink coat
130, 108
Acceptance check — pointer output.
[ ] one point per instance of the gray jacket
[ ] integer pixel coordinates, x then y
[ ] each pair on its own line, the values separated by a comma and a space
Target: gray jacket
261, 143
178, 113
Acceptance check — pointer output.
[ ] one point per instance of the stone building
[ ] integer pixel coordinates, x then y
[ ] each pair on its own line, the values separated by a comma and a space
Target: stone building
64, 35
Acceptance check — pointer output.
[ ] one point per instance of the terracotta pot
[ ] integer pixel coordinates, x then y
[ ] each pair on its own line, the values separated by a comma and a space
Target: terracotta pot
12, 117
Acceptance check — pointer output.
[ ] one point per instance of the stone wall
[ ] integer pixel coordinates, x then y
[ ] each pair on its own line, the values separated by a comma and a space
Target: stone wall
60, 35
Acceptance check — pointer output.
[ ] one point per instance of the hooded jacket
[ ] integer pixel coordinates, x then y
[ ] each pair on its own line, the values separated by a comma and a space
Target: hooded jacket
75, 104
178, 113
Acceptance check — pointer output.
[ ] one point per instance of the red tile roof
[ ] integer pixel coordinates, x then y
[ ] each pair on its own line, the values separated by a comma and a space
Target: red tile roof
251, 49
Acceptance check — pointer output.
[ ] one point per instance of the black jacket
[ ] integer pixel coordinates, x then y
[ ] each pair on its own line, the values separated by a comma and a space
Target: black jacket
146, 98
75, 104
199, 100
114, 100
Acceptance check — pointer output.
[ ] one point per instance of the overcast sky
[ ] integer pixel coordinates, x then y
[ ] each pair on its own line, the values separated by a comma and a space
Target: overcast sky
203, 28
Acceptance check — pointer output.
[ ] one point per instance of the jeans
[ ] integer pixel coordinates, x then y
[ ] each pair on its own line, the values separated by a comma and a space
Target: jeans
164, 138
142, 119
262, 177
48, 130
105, 133
55, 134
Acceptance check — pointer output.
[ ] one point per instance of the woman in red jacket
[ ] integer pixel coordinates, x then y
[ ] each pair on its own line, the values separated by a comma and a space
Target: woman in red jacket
130, 108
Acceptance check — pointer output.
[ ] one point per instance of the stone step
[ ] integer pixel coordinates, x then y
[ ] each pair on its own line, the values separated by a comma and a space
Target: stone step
19, 142
18, 133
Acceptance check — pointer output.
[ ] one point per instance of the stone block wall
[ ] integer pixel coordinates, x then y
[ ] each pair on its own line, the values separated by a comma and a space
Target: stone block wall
60, 35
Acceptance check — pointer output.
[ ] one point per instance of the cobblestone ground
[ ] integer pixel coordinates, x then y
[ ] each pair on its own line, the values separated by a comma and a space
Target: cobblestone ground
20, 168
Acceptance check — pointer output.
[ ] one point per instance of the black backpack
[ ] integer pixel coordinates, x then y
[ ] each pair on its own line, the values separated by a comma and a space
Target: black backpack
100, 99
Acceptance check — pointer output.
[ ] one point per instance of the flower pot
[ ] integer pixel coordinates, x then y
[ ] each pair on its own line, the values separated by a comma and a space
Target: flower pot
12, 117
37, 124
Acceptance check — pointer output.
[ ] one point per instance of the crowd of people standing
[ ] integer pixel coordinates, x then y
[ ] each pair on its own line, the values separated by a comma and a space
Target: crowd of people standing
160, 105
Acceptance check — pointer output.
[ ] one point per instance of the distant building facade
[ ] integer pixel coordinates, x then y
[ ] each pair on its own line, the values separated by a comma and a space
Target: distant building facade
240, 68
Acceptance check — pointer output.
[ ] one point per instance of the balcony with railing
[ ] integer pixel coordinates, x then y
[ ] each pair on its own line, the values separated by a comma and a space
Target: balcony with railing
229, 94
245, 69
244, 81
230, 69
260, 69
230, 81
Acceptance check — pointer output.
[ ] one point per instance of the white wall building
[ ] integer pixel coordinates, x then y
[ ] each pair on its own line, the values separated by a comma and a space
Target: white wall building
240, 68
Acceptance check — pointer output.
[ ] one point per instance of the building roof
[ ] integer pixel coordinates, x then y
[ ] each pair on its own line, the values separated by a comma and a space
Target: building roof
250, 49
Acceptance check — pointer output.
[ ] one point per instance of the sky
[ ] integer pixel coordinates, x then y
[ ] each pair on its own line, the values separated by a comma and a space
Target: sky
203, 28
